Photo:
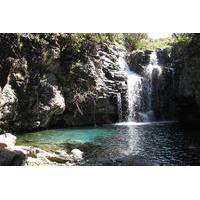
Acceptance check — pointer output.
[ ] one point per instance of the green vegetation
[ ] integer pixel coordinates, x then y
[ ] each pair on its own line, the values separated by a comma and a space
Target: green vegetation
155, 43
96, 37
176, 39
132, 41
181, 39
180, 44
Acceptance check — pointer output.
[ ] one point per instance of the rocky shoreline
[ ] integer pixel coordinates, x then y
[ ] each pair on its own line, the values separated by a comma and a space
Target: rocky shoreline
13, 155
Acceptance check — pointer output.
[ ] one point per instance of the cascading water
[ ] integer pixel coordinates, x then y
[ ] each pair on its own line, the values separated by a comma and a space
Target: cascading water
119, 106
137, 109
134, 84
150, 69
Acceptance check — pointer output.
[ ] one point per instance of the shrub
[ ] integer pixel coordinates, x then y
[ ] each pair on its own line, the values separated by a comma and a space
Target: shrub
133, 41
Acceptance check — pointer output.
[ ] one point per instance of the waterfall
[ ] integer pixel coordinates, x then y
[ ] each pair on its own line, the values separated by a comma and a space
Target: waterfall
134, 100
151, 69
119, 106
143, 97
134, 84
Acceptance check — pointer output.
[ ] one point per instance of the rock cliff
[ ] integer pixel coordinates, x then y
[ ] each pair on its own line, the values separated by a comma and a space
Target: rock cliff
45, 82
188, 87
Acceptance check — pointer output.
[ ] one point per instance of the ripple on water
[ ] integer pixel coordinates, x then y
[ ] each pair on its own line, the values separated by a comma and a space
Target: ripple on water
163, 143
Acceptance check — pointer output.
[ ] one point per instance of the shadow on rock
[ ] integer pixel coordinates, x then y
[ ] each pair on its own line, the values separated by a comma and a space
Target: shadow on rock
11, 158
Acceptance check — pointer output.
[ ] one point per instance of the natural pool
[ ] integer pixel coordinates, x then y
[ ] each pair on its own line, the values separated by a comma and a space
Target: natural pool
163, 143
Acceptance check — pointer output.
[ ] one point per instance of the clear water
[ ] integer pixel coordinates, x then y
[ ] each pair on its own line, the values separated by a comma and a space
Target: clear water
158, 143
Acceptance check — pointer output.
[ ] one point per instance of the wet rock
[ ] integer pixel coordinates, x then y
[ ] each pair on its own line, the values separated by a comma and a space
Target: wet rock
137, 60
164, 57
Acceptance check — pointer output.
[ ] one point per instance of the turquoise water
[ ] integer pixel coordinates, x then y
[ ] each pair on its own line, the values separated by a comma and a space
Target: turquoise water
159, 143
60, 136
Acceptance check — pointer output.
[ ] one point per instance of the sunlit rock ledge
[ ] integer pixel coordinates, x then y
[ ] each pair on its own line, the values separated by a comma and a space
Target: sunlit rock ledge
13, 155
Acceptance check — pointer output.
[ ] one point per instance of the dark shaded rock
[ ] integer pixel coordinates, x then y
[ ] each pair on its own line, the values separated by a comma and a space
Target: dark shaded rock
186, 60
88, 48
137, 60
11, 158
164, 57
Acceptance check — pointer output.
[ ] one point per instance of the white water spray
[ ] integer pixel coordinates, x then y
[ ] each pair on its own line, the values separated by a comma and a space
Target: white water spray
150, 69
134, 84
136, 110
119, 106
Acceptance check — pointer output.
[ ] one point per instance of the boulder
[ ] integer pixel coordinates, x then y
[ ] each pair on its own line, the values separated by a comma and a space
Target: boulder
59, 158
7, 140
3, 146
77, 154
9, 157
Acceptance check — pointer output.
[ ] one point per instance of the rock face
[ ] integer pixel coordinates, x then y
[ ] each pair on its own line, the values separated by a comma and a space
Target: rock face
44, 82
137, 60
188, 83
183, 90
